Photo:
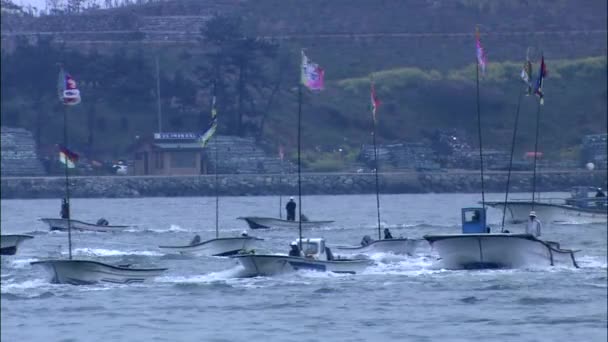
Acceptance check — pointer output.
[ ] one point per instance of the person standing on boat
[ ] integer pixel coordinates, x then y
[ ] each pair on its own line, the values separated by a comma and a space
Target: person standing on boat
65, 209
387, 234
291, 209
600, 193
534, 226
295, 250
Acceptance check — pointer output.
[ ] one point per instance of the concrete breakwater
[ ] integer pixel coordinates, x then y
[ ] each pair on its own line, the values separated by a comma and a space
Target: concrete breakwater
312, 184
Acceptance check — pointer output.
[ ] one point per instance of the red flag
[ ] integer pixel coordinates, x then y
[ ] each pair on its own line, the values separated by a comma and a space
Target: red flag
375, 101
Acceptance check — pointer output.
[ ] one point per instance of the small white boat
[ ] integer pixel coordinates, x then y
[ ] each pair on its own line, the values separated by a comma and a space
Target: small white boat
581, 207
86, 272
271, 222
215, 247
10, 242
401, 246
476, 248
62, 225
315, 257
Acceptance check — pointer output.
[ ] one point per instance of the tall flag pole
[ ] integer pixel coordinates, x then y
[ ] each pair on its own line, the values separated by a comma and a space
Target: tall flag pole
481, 64
525, 76
214, 128
375, 103
312, 77
69, 95
538, 90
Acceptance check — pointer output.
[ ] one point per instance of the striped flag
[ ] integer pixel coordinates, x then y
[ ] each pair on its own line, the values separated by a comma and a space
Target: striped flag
375, 100
67, 90
538, 89
205, 137
482, 60
67, 157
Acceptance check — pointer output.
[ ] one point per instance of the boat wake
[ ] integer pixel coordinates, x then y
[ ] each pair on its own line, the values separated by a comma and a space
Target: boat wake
100, 252
172, 229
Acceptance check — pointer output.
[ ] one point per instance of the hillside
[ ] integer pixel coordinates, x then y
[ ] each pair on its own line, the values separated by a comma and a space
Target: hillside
420, 50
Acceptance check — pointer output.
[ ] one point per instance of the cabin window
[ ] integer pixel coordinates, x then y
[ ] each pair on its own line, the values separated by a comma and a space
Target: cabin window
183, 159
473, 216
310, 248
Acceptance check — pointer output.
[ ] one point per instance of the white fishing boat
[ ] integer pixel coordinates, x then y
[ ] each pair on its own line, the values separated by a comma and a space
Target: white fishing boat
476, 248
215, 247
399, 246
313, 256
581, 207
255, 222
86, 272
10, 242
62, 225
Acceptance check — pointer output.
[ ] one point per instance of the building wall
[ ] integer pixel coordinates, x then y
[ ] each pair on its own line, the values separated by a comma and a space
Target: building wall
167, 163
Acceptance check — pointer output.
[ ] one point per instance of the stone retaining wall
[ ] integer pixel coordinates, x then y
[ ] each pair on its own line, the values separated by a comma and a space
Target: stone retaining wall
313, 183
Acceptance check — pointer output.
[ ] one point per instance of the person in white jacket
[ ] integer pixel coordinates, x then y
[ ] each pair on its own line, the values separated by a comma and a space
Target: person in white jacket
534, 226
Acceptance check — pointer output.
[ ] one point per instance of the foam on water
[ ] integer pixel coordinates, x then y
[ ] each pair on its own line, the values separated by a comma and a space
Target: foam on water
110, 252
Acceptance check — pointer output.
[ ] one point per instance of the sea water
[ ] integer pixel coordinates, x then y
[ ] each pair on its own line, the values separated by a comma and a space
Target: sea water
399, 298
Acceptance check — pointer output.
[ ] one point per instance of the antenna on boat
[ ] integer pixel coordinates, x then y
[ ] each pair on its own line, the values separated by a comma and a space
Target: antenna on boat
540, 103
375, 104
281, 179
515, 124
483, 199
217, 196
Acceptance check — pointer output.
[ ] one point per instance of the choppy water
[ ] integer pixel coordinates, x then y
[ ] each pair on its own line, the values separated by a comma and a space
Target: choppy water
200, 299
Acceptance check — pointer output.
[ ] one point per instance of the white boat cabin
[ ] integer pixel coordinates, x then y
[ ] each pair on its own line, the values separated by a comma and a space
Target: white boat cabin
314, 248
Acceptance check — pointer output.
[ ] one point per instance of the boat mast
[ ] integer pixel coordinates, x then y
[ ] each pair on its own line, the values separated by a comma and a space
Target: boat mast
483, 199
217, 196
67, 182
375, 157
299, 165
540, 103
504, 211
280, 194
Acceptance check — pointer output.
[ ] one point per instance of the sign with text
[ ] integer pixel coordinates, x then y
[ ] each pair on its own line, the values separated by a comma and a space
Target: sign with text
175, 136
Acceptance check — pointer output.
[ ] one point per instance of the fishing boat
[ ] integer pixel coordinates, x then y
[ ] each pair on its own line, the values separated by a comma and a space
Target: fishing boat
389, 244
313, 256
78, 271
219, 246
477, 248
255, 222
10, 242
581, 207
62, 225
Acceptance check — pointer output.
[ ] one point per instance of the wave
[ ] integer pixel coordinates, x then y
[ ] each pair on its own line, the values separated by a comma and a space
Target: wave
111, 252
172, 229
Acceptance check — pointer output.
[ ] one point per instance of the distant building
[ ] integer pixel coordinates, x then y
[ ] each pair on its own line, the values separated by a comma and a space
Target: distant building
19, 157
169, 154
594, 149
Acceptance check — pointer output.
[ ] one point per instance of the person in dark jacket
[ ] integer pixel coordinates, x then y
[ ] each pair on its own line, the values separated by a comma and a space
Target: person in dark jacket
387, 234
65, 209
196, 240
295, 250
291, 209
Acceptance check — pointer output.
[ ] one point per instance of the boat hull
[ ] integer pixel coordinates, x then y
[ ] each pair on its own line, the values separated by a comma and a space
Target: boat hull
10, 242
84, 272
215, 247
518, 211
62, 225
270, 222
269, 265
490, 251
395, 246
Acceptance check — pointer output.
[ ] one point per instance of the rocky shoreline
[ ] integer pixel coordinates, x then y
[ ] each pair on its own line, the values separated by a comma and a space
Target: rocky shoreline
274, 184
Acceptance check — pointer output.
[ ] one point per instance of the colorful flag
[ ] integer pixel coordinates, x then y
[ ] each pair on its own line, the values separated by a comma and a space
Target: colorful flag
281, 153
205, 137
375, 101
526, 76
482, 60
538, 89
312, 74
67, 90
67, 157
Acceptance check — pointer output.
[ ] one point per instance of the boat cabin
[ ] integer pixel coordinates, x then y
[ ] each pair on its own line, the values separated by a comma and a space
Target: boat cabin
313, 248
587, 197
474, 221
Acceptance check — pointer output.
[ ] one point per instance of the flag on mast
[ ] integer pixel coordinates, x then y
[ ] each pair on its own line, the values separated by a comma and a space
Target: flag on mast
375, 100
482, 60
67, 157
205, 137
67, 90
538, 89
526, 73
313, 76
